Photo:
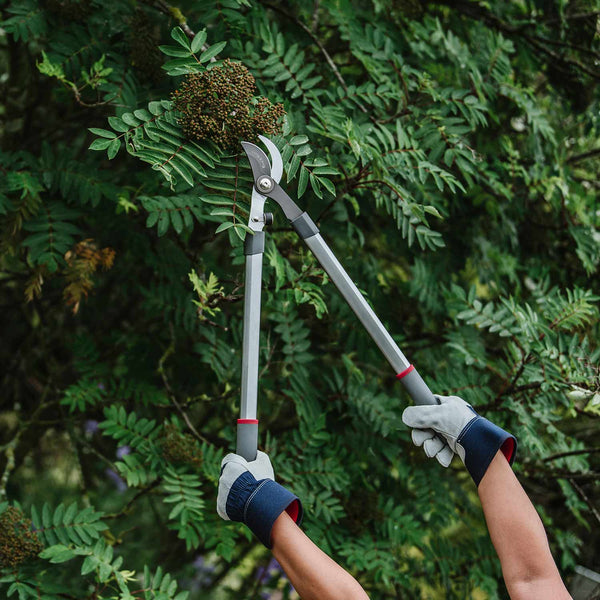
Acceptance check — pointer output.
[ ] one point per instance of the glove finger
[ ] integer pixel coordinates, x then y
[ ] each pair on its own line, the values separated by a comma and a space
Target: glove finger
422, 417
261, 467
222, 500
233, 458
419, 436
445, 456
432, 446
454, 402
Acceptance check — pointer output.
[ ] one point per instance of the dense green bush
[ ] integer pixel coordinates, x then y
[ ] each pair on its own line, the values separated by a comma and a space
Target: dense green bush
446, 150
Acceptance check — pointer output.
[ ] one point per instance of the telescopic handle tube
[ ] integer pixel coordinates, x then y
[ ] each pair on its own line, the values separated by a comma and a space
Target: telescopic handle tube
408, 375
247, 426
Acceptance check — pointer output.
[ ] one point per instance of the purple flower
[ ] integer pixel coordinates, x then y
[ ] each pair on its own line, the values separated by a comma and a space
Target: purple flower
123, 451
203, 577
202, 566
274, 567
101, 386
116, 479
90, 426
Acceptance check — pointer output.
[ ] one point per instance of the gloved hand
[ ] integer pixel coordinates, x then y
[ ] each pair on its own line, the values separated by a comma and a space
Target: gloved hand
453, 426
248, 494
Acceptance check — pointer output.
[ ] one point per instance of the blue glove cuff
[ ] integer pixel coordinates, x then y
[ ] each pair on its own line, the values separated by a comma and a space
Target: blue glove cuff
481, 440
259, 503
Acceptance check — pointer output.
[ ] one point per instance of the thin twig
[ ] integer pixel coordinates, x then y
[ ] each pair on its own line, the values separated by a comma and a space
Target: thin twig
570, 453
574, 17
317, 41
161, 370
578, 157
137, 496
580, 491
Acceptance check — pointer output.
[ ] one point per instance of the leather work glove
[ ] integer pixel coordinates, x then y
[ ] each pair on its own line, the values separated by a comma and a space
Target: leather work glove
248, 494
453, 426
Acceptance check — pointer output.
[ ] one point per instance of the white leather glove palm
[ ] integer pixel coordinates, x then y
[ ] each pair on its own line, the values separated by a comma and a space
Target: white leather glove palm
232, 466
453, 426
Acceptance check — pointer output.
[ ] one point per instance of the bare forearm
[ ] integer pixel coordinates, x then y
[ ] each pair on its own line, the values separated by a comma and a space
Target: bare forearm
314, 575
518, 536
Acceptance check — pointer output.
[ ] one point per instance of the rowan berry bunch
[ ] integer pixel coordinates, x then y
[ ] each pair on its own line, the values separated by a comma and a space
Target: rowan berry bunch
18, 542
219, 105
180, 448
72, 10
143, 43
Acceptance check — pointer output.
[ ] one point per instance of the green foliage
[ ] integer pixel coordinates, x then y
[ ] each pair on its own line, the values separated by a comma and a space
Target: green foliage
183, 493
51, 235
448, 153
67, 525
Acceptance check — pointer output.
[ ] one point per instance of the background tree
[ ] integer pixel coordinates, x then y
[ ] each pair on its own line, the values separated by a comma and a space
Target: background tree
447, 151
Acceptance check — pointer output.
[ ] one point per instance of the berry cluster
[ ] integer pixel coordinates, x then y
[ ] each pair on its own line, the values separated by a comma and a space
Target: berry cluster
72, 10
219, 105
180, 448
360, 514
143, 47
18, 542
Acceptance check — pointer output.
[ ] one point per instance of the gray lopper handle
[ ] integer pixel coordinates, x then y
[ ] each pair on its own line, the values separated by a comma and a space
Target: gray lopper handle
417, 388
247, 438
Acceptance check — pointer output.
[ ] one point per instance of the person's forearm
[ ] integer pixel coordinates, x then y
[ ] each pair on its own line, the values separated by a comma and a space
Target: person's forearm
518, 536
313, 574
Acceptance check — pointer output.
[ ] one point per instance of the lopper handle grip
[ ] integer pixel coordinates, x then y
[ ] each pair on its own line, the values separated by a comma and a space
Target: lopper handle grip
247, 438
415, 386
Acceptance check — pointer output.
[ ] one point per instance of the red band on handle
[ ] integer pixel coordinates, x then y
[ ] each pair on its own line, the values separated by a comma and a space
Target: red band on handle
405, 372
247, 421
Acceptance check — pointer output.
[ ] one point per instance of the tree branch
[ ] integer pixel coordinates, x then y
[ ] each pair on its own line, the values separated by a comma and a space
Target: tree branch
580, 491
583, 156
316, 40
477, 12
570, 453
161, 371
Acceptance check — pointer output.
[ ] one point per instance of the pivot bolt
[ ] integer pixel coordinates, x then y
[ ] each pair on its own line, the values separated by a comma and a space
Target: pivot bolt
264, 184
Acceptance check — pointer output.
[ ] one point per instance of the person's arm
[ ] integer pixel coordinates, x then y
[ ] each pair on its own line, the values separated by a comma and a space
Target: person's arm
518, 536
314, 575
248, 493
514, 525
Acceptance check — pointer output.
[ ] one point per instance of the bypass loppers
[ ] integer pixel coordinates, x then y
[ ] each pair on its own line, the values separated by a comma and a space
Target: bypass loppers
267, 175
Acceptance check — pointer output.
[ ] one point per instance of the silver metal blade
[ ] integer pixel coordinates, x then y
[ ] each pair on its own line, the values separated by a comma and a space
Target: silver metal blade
258, 160
276, 160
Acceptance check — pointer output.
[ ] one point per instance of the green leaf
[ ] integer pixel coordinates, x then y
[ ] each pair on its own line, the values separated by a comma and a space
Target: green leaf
223, 227
118, 125
179, 36
114, 147
302, 181
212, 51
142, 114
198, 41
298, 140
101, 144
57, 554
102, 132
174, 51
